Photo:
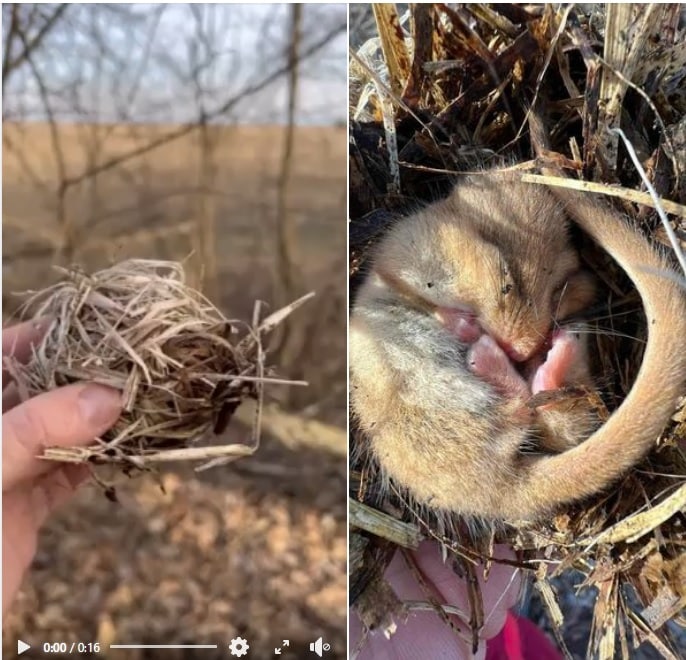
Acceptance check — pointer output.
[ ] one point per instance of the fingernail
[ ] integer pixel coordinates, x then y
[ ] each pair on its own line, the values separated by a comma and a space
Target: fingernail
42, 322
39, 327
100, 405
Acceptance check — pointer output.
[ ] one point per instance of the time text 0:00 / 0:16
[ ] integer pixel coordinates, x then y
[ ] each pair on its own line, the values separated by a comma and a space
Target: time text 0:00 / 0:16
73, 647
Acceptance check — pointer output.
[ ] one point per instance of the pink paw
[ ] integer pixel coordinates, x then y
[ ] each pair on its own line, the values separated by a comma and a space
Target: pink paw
460, 323
552, 374
490, 363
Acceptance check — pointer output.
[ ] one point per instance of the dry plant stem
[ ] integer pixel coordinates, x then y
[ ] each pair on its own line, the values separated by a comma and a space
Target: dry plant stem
382, 525
86, 454
423, 606
640, 524
181, 365
604, 189
386, 99
393, 44
659, 207
438, 607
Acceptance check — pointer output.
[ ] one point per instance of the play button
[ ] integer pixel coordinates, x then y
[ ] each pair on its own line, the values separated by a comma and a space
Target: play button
22, 646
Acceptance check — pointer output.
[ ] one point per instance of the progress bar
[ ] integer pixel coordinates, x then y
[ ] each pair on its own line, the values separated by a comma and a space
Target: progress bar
163, 646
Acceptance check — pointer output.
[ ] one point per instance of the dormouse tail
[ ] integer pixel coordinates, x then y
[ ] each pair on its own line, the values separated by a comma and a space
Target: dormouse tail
634, 427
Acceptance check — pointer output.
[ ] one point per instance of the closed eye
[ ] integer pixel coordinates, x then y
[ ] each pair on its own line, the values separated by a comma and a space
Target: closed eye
558, 294
572, 294
559, 290
564, 281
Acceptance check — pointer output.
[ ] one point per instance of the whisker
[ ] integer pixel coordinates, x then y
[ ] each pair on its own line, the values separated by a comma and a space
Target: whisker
601, 332
559, 302
589, 316
605, 317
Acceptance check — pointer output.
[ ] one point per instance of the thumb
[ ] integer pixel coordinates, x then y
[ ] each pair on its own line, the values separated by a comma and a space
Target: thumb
71, 415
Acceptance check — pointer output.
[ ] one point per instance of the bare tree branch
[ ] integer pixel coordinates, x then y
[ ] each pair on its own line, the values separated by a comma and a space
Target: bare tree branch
290, 339
11, 34
110, 171
65, 224
285, 229
187, 128
30, 45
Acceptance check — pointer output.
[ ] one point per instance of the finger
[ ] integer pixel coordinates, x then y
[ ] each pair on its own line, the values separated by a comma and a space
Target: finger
444, 584
52, 490
69, 416
423, 633
500, 591
10, 397
17, 340
24, 510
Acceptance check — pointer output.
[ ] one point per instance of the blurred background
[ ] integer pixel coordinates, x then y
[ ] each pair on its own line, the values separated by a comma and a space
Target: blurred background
213, 134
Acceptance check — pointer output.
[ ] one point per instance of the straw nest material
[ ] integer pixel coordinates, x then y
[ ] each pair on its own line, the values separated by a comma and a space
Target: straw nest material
183, 367
444, 89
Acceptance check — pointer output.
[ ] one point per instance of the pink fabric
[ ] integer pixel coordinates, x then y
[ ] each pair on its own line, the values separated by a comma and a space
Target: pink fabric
520, 639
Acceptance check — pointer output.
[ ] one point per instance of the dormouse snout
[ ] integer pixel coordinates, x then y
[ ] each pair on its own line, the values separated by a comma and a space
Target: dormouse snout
521, 349
515, 354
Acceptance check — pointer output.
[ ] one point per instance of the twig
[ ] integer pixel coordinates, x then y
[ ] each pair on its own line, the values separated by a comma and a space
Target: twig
228, 105
29, 46
86, 454
658, 203
604, 189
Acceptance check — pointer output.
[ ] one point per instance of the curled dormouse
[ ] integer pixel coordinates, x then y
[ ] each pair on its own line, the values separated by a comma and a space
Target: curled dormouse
462, 319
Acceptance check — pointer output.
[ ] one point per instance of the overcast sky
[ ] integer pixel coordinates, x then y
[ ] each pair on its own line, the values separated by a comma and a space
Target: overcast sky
103, 63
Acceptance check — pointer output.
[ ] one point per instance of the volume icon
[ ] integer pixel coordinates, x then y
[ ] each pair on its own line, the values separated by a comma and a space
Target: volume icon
319, 646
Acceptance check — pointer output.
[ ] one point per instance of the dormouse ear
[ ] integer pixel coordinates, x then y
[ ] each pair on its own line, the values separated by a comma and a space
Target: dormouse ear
473, 189
366, 231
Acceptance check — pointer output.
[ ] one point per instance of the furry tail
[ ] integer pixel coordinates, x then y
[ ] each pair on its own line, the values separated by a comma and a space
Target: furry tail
635, 426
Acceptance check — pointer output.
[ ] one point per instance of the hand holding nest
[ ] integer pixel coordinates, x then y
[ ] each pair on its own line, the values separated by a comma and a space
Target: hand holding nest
32, 488
422, 633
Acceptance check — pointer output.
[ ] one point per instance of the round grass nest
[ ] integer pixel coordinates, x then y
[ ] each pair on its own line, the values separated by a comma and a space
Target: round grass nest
182, 366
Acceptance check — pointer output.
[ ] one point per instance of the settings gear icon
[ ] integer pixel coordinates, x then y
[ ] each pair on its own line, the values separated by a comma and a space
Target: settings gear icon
239, 647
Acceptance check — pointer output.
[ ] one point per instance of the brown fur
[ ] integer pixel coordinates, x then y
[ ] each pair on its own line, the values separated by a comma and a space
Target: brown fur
498, 248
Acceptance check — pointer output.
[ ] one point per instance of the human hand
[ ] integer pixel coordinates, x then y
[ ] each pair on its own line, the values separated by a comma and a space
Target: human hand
32, 488
424, 634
